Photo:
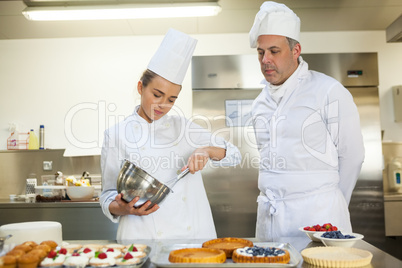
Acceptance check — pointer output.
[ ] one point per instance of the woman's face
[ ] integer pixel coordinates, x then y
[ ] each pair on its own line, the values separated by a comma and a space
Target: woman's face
157, 98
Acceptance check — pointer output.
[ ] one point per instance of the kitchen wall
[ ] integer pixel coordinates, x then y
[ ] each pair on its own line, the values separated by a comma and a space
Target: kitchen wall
77, 87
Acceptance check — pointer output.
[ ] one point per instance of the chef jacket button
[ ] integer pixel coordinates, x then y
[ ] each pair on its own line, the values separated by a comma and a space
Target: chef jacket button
175, 144
143, 148
159, 233
188, 228
184, 199
167, 125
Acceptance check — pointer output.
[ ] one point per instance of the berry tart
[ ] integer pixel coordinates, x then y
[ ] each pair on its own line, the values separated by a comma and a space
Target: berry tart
112, 252
257, 254
53, 259
116, 246
101, 259
128, 259
137, 250
87, 252
76, 261
72, 247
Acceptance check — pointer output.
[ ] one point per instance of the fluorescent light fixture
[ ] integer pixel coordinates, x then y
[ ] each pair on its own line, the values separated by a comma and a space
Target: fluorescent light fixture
121, 11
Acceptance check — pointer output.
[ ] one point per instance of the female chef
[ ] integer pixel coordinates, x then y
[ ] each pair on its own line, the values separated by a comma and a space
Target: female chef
162, 144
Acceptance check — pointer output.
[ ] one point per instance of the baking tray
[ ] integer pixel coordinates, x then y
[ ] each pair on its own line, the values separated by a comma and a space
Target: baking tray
161, 257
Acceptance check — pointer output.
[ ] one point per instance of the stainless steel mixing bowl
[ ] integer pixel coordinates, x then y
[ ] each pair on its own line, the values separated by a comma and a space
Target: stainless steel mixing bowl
133, 181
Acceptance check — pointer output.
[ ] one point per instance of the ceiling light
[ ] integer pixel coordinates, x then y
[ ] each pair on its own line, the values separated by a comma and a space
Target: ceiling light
123, 11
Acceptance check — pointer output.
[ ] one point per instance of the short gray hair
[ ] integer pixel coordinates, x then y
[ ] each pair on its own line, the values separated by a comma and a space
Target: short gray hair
292, 42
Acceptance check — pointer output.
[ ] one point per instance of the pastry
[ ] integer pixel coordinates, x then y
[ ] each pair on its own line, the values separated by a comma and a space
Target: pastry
112, 252
72, 247
95, 247
16, 252
128, 259
23, 247
136, 247
28, 261
102, 260
116, 246
30, 243
76, 261
44, 247
87, 252
197, 255
53, 259
38, 252
8, 261
52, 244
227, 244
258, 254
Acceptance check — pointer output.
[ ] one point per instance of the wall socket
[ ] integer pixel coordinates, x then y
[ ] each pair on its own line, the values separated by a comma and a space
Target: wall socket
47, 165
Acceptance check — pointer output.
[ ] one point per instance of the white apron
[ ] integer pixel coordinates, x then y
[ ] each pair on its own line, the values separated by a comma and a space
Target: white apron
311, 151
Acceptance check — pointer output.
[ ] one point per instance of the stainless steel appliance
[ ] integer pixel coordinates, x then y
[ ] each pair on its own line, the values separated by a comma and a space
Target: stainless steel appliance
224, 86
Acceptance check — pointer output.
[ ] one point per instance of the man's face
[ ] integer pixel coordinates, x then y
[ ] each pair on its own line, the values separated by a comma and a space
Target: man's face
277, 61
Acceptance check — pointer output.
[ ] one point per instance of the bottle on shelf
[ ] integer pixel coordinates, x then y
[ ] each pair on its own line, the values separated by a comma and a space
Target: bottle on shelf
42, 137
33, 141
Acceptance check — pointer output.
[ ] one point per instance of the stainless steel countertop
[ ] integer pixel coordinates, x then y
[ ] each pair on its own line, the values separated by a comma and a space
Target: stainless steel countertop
6, 203
380, 259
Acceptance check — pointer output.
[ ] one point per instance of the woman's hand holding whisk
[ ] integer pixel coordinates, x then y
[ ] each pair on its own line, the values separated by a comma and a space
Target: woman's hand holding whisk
119, 207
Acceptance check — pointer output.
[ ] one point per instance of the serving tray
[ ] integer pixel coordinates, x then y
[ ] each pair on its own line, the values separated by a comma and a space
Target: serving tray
161, 257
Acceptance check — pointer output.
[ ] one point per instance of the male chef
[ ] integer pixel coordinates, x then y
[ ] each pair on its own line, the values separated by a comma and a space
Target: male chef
308, 134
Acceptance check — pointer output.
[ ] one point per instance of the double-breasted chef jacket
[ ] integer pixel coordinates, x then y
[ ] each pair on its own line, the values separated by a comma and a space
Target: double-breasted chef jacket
311, 152
162, 148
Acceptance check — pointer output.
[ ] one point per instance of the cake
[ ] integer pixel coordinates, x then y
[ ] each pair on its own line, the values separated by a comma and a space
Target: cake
128, 259
258, 254
8, 261
53, 259
197, 255
227, 244
101, 259
76, 260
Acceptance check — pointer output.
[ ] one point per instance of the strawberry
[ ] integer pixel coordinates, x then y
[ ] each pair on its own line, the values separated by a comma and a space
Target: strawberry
75, 254
52, 254
307, 228
86, 250
102, 255
128, 256
63, 251
323, 230
334, 228
312, 229
327, 225
132, 248
110, 250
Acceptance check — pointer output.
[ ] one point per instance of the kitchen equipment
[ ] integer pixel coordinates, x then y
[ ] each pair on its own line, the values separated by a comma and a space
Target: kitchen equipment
171, 183
30, 184
132, 181
80, 193
36, 231
2, 239
335, 242
394, 175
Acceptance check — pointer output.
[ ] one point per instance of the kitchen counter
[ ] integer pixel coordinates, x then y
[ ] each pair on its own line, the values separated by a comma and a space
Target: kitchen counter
80, 220
380, 259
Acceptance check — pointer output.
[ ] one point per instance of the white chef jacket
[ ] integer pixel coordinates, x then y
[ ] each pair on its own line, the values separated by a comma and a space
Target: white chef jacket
162, 148
311, 152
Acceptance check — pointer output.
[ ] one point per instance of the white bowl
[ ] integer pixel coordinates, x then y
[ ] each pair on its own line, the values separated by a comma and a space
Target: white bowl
80, 193
310, 234
335, 242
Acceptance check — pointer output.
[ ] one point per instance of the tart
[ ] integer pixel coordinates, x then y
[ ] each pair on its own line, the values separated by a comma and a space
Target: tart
336, 256
227, 244
112, 252
135, 247
261, 255
128, 259
53, 259
76, 260
102, 260
116, 246
72, 247
197, 255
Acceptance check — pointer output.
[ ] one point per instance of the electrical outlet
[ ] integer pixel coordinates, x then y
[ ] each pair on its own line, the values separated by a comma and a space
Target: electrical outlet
47, 165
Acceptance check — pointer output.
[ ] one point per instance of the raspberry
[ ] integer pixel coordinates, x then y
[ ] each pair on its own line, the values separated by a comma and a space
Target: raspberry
110, 250
52, 254
128, 256
86, 250
63, 251
75, 254
102, 255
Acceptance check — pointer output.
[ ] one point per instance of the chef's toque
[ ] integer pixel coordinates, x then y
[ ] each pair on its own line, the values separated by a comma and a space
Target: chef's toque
173, 56
274, 19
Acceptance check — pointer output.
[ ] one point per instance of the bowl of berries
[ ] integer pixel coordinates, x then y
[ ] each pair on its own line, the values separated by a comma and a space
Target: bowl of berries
338, 239
317, 229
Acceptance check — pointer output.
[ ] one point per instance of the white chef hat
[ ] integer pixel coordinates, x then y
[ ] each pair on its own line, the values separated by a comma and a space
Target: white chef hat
173, 56
275, 19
